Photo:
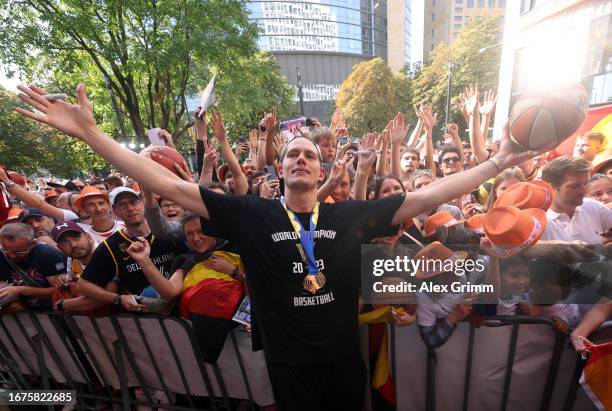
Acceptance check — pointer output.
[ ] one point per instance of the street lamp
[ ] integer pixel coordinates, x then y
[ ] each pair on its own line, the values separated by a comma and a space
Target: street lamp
300, 93
482, 50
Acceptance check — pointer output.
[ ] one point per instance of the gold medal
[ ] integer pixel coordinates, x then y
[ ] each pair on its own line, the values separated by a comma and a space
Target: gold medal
313, 283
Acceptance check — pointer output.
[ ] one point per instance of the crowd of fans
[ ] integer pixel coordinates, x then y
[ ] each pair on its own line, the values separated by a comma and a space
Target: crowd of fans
108, 244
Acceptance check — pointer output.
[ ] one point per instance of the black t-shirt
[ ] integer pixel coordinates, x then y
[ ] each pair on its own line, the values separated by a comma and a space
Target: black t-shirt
44, 261
111, 259
298, 327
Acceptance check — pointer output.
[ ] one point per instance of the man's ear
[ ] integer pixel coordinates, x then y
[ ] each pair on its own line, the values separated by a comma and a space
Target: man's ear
321, 175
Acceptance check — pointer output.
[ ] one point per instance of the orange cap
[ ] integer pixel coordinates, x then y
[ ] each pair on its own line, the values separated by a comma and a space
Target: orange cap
475, 223
89, 191
439, 219
510, 230
532, 194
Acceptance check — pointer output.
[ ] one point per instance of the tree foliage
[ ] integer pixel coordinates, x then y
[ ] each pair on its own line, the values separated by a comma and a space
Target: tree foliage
468, 66
372, 95
30, 147
150, 53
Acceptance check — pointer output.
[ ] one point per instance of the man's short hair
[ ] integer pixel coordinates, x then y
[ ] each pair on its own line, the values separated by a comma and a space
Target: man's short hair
555, 171
188, 216
446, 150
13, 231
320, 134
97, 180
114, 181
594, 135
413, 151
285, 148
465, 144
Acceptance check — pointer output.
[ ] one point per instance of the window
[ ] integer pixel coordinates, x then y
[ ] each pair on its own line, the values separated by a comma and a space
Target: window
502, 4
457, 19
457, 26
491, 4
470, 4
458, 1
433, 16
481, 3
597, 71
458, 9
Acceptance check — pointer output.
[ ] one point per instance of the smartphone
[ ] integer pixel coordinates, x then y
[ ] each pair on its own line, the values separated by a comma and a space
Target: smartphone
155, 138
299, 122
343, 140
242, 140
262, 128
271, 171
309, 122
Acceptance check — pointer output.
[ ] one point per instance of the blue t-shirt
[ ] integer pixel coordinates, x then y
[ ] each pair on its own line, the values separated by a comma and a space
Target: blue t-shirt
44, 261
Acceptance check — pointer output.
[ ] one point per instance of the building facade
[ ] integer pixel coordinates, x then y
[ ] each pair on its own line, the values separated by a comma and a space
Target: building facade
323, 39
551, 42
443, 19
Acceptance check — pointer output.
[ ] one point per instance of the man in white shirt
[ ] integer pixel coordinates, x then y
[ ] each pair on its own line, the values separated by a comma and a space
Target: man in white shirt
571, 216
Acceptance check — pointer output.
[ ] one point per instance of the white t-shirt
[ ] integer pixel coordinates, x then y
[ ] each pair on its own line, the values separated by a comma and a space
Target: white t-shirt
70, 215
98, 236
588, 223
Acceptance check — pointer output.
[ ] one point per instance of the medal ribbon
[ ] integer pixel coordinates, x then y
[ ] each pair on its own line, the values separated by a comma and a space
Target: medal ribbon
306, 240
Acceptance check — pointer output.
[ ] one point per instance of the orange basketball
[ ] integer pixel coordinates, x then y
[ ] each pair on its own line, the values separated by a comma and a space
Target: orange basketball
167, 157
543, 117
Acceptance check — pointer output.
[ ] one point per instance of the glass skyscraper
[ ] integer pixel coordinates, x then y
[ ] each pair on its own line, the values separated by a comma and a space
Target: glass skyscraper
324, 39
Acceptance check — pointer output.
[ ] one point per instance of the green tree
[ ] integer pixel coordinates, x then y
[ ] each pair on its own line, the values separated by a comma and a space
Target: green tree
29, 147
151, 53
468, 66
372, 95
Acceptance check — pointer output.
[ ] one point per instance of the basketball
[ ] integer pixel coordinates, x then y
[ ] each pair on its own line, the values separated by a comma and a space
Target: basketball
167, 157
17, 178
543, 117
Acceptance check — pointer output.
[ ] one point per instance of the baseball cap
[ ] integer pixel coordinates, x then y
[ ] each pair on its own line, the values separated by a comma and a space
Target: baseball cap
120, 190
30, 212
63, 183
64, 226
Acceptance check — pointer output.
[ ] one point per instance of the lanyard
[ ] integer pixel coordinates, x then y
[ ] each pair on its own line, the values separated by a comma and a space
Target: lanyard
307, 240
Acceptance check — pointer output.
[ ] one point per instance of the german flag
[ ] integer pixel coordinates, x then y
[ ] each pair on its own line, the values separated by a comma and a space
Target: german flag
597, 376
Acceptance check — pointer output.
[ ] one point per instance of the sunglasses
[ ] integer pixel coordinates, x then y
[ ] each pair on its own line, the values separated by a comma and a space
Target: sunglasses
449, 160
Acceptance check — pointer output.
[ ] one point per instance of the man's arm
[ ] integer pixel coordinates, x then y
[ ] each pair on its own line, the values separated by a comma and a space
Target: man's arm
77, 120
32, 200
472, 105
450, 187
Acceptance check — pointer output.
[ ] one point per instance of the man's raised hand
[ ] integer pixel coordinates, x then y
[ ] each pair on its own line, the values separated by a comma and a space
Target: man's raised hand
217, 125
76, 120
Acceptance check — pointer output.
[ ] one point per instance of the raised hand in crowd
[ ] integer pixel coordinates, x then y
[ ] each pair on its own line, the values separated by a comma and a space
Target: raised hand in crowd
398, 131
211, 160
366, 160
270, 122
200, 125
253, 143
218, 127
460, 104
280, 141
342, 148
475, 132
269, 188
416, 133
315, 122
486, 111
382, 163
167, 138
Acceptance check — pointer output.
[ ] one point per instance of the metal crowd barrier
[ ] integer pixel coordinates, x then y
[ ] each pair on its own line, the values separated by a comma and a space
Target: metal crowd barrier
106, 359
509, 363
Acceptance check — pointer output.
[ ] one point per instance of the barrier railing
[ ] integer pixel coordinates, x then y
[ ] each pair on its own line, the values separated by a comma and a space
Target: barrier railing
509, 363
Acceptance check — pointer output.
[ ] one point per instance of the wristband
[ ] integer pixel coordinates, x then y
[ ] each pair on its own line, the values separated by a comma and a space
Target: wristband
117, 299
496, 164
